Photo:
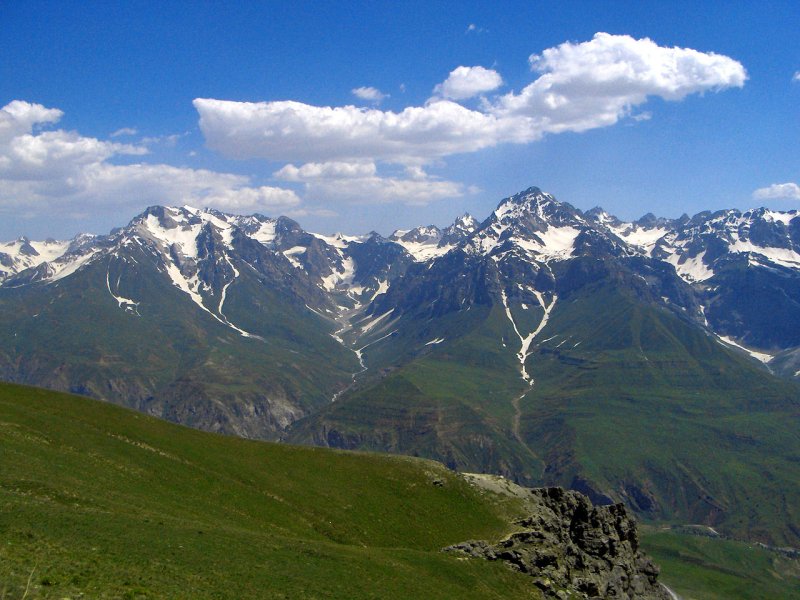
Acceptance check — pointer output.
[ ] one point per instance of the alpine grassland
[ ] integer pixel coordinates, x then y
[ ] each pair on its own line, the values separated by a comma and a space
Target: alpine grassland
708, 568
97, 501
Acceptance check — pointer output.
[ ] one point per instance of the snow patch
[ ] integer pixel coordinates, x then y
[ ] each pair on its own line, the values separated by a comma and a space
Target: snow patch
643, 238
557, 242
343, 278
124, 303
59, 269
369, 326
191, 286
782, 217
780, 256
338, 240
691, 269
292, 253
184, 237
424, 251
223, 296
46, 251
265, 234
762, 356
383, 287
525, 341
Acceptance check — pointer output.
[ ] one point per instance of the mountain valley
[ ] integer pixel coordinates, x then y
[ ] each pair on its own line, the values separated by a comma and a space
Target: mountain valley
650, 362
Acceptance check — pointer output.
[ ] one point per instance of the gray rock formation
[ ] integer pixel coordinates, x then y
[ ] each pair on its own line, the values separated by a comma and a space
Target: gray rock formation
573, 549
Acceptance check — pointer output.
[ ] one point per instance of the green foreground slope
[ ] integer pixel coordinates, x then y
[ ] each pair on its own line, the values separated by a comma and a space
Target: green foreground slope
101, 501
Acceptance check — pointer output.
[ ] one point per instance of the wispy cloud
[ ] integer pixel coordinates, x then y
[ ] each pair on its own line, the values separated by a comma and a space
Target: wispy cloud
124, 131
167, 140
370, 94
472, 28
796, 76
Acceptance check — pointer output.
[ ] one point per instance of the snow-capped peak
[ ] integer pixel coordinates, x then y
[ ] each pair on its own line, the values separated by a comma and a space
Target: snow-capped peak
534, 223
462, 228
422, 243
419, 235
24, 254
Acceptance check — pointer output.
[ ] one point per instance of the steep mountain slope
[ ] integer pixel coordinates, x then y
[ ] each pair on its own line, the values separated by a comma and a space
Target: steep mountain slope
555, 352
182, 315
626, 360
633, 402
744, 267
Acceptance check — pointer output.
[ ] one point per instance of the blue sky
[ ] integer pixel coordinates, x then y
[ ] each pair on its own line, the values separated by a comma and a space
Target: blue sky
638, 107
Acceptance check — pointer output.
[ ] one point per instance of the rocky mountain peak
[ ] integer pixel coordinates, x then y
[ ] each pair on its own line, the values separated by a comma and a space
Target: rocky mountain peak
536, 210
466, 222
532, 192
533, 224
428, 234
599, 215
649, 220
25, 247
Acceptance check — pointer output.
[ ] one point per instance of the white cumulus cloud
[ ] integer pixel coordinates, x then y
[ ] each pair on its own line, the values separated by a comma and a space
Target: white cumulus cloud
579, 86
466, 82
326, 171
370, 94
796, 76
46, 171
51, 153
779, 191
291, 131
18, 117
596, 83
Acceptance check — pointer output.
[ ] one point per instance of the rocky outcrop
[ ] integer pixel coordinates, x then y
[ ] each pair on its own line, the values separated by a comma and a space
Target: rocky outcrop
572, 549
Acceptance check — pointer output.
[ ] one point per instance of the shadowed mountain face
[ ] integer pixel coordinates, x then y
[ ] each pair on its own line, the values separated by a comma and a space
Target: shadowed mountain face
649, 362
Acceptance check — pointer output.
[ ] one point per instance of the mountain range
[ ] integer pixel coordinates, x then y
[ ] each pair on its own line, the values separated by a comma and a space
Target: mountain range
651, 362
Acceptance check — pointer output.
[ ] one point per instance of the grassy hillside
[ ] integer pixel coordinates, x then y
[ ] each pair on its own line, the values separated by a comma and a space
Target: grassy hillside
662, 415
101, 502
453, 403
104, 502
704, 568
